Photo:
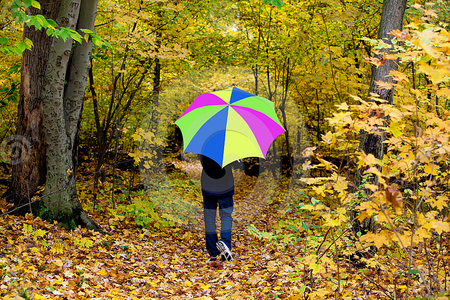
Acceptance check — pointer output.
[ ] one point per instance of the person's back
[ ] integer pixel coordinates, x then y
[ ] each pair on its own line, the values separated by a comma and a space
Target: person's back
216, 181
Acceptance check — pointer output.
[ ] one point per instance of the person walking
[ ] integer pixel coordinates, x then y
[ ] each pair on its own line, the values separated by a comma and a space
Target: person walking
217, 190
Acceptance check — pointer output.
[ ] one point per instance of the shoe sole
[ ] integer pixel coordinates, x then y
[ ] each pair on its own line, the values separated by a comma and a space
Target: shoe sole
224, 251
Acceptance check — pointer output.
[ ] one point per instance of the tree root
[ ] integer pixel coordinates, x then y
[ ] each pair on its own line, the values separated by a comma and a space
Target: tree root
86, 221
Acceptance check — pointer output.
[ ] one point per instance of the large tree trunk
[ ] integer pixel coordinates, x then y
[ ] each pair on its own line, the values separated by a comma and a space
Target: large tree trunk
391, 18
29, 173
62, 105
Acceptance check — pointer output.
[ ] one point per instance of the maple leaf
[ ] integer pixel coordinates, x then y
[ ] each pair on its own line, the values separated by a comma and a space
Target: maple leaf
340, 185
331, 222
327, 138
398, 76
430, 12
430, 169
385, 85
308, 151
440, 203
373, 170
371, 187
342, 106
306, 165
379, 240
366, 160
437, 75
378, 62
440, 226
401, 35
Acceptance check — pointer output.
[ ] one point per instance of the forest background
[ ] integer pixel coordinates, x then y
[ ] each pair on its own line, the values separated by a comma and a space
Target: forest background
326, 215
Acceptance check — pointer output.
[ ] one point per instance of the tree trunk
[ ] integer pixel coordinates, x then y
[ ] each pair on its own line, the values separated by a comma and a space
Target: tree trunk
62, 105
29, 173
391, 18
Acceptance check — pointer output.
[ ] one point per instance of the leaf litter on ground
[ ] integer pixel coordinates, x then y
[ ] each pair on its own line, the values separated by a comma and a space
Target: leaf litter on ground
39, 260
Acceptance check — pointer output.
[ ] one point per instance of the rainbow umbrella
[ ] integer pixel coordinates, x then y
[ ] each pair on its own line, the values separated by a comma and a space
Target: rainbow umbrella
229, 125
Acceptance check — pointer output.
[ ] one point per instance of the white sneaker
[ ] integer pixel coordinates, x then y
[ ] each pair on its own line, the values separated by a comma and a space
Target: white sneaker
212, 260
225, 253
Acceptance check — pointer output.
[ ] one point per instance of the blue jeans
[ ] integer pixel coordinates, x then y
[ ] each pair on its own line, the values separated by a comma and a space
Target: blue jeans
226, 221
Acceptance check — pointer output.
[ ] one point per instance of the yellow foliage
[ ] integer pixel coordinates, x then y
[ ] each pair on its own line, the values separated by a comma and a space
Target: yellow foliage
379, 240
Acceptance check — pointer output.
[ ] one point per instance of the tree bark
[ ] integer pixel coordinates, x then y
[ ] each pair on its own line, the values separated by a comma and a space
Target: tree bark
30, 172
371, 143
62, 105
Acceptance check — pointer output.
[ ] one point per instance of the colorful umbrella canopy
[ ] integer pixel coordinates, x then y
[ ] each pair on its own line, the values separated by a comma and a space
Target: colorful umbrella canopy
229, 125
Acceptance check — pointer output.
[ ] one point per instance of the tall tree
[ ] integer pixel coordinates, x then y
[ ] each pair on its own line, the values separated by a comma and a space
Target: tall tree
62, 107
30, 173
372, 143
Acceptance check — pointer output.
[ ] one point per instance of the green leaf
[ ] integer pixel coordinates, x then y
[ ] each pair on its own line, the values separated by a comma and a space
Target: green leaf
314, 201
278, 3
305, 226
34, 22
393, 127
27, 2
52, 23
28, 42
76, 36
302, 290
13, 98
86, 31
35, 4
64, 34
4, 41
50, 31
50, 288
16, 5
22, 46
42, 20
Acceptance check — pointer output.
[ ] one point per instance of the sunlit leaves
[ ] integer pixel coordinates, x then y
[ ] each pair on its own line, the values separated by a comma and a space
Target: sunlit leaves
18, 11
409, 197
278, 3
436, 74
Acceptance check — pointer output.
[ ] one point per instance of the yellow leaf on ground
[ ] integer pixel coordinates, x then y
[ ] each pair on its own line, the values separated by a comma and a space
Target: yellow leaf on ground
103, 272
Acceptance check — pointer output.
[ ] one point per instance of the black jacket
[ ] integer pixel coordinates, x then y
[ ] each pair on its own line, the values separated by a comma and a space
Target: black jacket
216, 181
